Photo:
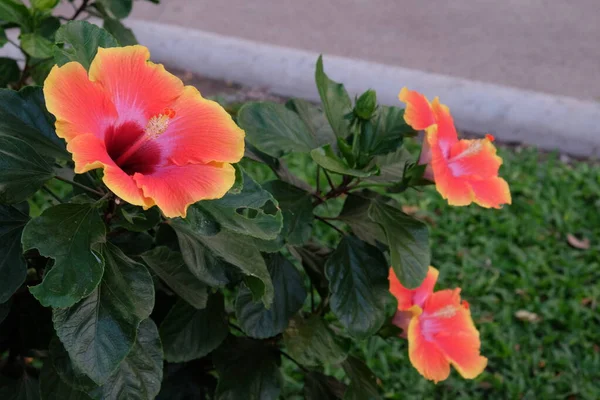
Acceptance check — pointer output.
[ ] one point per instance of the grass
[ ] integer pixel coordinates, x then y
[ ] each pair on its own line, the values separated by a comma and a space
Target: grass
509, 260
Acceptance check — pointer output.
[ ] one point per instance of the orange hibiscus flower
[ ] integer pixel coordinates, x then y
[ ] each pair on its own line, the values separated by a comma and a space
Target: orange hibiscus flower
464, 171
439, 329
159, 142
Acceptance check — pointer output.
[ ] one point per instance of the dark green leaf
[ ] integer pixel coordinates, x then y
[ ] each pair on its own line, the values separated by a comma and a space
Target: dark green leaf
363, 384
314, 119
81, 41
254, 318
77, 269
356, 214
311, 342
9, 72
117, 8
389, 130
22, 170
170, 267
135, 219
335, 99
357, 274
297, 209
313, 257
253, 211
188, 333
140, 374
23, 115
274, 129
408, 240
3, 38
47, 27
123, 34
99, 331
39, 71
248, 370
391, 166
26, 388
14, 11
44, 5
326, 158
65, 369
322, 387
133, 243
13, 268
52, 387
36, 45
189, 381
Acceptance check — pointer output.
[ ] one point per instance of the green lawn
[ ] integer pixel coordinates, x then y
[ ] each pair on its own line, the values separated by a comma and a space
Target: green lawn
508, 260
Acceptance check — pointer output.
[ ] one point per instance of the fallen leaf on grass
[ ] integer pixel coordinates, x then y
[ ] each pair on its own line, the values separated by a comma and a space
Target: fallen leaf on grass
528, 316
582, 244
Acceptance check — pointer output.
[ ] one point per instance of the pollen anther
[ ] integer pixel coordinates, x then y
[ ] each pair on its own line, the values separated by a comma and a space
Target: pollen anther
158, 124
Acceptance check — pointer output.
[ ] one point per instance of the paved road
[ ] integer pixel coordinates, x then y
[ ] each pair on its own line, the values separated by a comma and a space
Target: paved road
551, 46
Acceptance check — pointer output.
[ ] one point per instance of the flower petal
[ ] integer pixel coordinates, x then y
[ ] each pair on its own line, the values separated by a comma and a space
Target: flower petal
476, 158
455, 333
418, 113
491, 192
410, 297
79, 105
139, 88
173, 188
201, 132
424, 355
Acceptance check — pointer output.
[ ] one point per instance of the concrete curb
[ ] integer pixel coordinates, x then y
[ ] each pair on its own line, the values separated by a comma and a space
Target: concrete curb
547, 121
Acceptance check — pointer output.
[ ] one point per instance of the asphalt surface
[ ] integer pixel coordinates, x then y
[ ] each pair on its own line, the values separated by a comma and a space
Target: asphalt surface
550, 46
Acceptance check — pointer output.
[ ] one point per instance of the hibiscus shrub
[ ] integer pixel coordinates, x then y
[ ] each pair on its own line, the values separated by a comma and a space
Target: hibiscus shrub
158, 266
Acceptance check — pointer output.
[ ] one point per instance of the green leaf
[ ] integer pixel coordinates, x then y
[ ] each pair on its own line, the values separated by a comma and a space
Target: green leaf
140, 374
47, 27
254, 318
408, 239
22, 170
23, 115
135, 219
248, 369
14, 11
313, 257
3, 38
188, 333
170, 267
39, 71
274, 129
44, 5
391, 166
297, 210
253, 211
357, 274
26, 388
335, 99
52, 387
81, 41
322, 387
314, 119
13, 268
356, 214
36, 45
363, 384
99, 331
123, 34
9, 71
117, 8
63, 366
389, 130
311, 342
77, 269
326, 158
133, 243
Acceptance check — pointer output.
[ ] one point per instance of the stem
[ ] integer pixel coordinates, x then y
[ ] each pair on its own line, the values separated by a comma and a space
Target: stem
323, 220
81, 8
79, 185
286, 355
318, 179
51, 193
329, 180
106, 196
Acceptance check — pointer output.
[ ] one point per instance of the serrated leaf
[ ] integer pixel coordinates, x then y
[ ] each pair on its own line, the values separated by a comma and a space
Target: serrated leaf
23, 114
171, 268
99, 331
356, 214
248, 369
391, 166
63, 366
253, 211
188, 333
13, 268
322, 387
22, 170
81, 41
52, 387
311, 342
77, 269
297, 209
357, 274
259, 322
314, 119
274, 129
326, 158
135, 219
389, 130
36, 45
363, 383
14, 11
140, 374
9, 71
313, 257
335, 99
408, 240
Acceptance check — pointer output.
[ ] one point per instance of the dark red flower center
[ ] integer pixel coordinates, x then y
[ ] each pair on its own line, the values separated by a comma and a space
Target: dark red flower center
121, 139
